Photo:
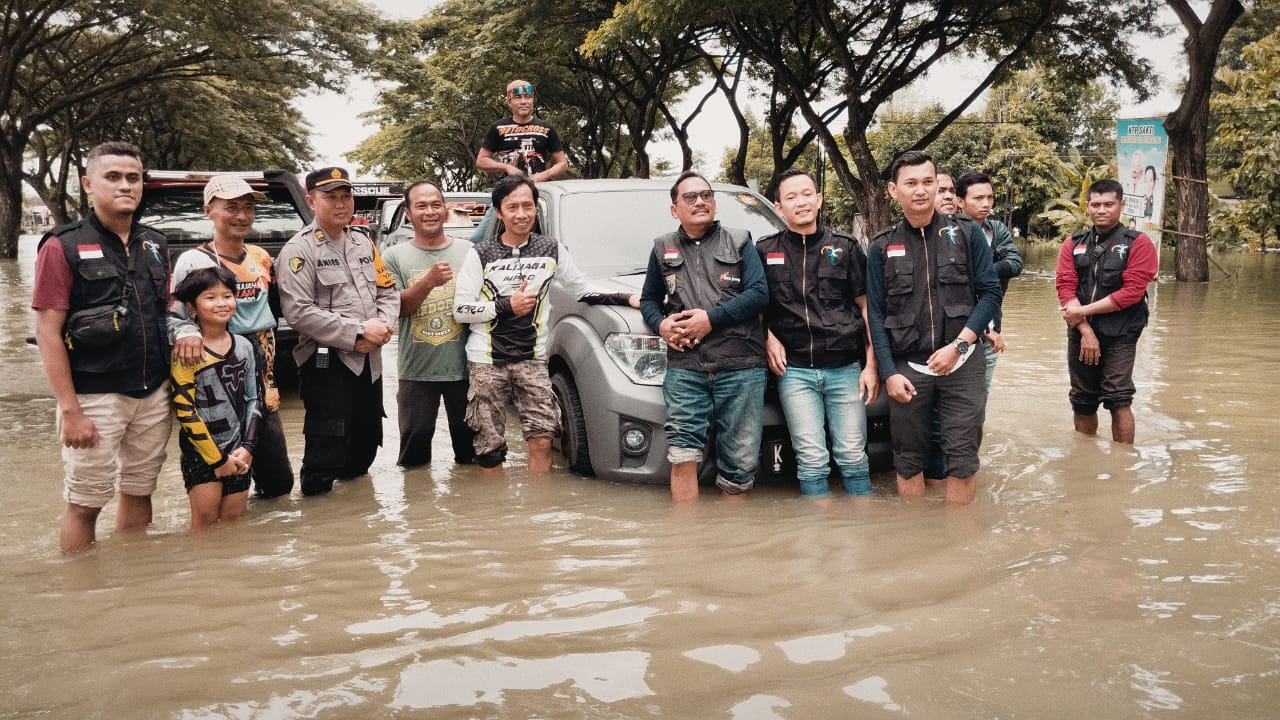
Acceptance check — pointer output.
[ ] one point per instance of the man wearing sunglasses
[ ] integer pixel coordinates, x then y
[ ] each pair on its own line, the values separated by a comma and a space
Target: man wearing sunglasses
522, 144
703, 293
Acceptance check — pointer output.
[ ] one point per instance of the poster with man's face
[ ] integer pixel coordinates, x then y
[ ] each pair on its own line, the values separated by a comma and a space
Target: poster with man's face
1142, 148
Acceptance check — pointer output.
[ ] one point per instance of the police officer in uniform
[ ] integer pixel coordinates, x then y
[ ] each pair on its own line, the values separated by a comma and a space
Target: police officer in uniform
335, 291
931, 290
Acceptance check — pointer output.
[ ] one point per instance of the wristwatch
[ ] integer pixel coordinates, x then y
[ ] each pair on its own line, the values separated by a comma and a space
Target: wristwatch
360, 332
962, 346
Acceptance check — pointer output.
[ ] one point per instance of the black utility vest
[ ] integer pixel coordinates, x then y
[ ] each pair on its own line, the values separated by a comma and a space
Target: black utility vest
703, 275
1100, 265
812, 310
929, 285
104, 275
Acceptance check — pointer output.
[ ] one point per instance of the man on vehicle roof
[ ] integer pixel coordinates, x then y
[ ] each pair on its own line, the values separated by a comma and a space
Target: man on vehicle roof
519, 144
522, 144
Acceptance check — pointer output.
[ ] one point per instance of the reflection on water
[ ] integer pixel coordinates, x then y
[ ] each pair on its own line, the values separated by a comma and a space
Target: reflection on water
1086, 580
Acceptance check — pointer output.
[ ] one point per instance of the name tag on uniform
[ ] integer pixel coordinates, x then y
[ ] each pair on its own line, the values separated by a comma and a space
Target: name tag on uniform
671, 254
89, 252
1079, 250
774, 259
896, 250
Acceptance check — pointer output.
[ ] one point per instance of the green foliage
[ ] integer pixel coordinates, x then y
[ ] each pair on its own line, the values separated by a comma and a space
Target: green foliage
608, 95
1067, 210
964, 145
1064, 109
75, 70
1248, 114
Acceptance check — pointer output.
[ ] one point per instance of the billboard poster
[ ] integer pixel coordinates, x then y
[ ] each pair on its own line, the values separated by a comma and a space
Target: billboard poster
1142, 148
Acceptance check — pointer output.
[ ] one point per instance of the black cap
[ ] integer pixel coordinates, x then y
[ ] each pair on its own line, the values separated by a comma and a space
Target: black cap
328, 178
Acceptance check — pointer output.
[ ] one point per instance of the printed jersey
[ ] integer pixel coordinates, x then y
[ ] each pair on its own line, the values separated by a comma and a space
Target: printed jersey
253, 281
218, 403
491, 274
528, 146
432, 343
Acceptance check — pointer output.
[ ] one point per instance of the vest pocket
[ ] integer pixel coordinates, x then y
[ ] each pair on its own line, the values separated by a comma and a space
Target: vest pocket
903, 333
98, 270
955, 317
953, 272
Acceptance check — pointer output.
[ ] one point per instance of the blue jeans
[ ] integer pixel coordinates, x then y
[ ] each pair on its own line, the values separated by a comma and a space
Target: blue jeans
816, 400
991, 356
731, 401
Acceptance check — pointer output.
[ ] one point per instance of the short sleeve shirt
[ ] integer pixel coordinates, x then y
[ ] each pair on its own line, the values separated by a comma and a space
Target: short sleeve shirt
432, 342
528, 146
253, 279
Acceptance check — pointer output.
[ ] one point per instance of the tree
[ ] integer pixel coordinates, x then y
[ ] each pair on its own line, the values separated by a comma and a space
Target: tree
609, 97
1248, 113
1188, 129
211, 124
61, 59
856, 56
1067, 210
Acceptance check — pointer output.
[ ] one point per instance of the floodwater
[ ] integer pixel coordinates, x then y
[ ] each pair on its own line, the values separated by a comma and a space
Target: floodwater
1087, 580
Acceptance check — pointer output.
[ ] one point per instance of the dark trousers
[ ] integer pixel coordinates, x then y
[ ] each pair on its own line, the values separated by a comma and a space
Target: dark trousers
272, 471
958, 401
418, 403
343, 424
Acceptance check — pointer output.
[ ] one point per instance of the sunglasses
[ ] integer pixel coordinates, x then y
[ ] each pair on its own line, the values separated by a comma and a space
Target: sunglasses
693, 197
519, 90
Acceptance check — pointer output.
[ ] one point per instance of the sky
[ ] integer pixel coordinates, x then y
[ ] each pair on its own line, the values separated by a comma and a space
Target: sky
337, 128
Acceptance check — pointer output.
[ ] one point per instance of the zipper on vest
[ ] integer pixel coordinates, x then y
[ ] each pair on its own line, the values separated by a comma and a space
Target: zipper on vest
1094, 264
928, 280
804, 291
137, 296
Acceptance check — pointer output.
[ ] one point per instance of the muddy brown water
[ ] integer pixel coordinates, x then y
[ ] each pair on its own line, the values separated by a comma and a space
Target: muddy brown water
1087, 580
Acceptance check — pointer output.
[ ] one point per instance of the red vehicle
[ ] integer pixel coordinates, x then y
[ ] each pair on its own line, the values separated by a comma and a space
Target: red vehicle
173, 203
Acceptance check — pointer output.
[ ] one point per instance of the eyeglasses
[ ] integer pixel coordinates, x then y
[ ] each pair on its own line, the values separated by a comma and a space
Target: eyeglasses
692, 197
519, 90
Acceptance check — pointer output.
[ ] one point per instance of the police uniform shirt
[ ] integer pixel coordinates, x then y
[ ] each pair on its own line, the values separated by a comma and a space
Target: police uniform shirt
327, 289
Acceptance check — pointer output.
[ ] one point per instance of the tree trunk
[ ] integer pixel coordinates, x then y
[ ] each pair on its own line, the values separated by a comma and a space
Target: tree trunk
1191, 258
642, 161
867, 190
1188, 128
10, 200
738, 166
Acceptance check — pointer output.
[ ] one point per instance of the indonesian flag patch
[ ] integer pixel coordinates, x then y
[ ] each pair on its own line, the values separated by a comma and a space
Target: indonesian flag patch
896, 251
89, 252
670, 254
1079, 250
774, 259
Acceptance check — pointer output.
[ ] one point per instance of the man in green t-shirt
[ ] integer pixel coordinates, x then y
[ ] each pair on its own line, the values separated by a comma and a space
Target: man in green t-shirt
432, 356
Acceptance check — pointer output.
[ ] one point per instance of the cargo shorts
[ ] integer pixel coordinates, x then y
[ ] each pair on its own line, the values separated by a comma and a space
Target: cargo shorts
133, 437
526, 384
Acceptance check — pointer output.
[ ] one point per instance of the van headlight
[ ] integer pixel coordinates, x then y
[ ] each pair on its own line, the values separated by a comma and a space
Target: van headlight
643, 358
